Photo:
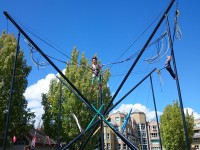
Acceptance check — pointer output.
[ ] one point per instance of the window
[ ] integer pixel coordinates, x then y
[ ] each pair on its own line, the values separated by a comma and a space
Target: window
142, 126
143, 134
124, 146
117, 119
119, 146
155, 148
144, 141
122, 118
108, 136
154, 134
144, 147
138, 126
154, 128
195, 140
139, 134
108, 146
196, 146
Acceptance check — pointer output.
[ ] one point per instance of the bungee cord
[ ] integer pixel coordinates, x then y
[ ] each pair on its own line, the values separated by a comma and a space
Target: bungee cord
160, 51
178, 33
35, 62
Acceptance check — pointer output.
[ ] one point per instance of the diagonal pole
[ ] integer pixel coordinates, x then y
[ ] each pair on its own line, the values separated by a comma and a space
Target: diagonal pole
178, 85
139, 55
101, 122
154, 101
59, 116
11, 93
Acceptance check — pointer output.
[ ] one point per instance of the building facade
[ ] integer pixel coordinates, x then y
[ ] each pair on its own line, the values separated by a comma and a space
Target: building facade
142, 131
196, 137
154, 139
117, 120
144, 135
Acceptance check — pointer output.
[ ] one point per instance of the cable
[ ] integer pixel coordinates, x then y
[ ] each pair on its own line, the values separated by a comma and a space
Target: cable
160, 53
135, 54
136, 40
35, 34
178, 33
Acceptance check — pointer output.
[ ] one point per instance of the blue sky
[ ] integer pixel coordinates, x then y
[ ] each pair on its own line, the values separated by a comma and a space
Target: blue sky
108, 28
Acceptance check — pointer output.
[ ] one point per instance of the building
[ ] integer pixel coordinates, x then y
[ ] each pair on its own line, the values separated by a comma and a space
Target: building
42, 141
117, 119
144, 135
196, 137
142, 131
110, 138
154, 139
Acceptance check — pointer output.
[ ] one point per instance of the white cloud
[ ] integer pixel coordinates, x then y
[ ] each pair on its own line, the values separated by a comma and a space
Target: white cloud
34, 91
150, 114
190, 111
33, 96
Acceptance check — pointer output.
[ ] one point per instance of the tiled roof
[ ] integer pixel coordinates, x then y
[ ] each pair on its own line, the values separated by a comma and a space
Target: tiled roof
41, 138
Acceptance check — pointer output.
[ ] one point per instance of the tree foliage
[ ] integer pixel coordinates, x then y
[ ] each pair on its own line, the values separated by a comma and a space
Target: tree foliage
21, 119
172, 131
79, 73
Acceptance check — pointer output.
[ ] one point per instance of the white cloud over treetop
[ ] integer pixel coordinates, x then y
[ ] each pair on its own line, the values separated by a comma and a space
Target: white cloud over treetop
34, 91
190, 111
34, 98
150, 114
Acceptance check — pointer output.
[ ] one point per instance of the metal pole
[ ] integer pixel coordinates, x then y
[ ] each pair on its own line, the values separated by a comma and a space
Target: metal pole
154, 101
178, 86
59, 115
102, 128
139, 55
11, 93
147, 135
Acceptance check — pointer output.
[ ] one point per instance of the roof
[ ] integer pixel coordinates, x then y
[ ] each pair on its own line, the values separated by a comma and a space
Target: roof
41, 137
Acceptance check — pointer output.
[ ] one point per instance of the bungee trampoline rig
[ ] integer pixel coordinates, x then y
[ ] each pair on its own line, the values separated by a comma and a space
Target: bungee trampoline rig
99, 114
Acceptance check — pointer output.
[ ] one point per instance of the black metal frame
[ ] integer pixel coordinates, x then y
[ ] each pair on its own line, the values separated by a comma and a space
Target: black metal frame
73, 89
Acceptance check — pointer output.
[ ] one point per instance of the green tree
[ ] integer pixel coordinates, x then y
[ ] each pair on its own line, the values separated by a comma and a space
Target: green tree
80, 75
21, 119
172, 131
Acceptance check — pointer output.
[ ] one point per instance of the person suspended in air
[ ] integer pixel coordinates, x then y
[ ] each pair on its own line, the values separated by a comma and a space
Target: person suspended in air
95, 72
168, 67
